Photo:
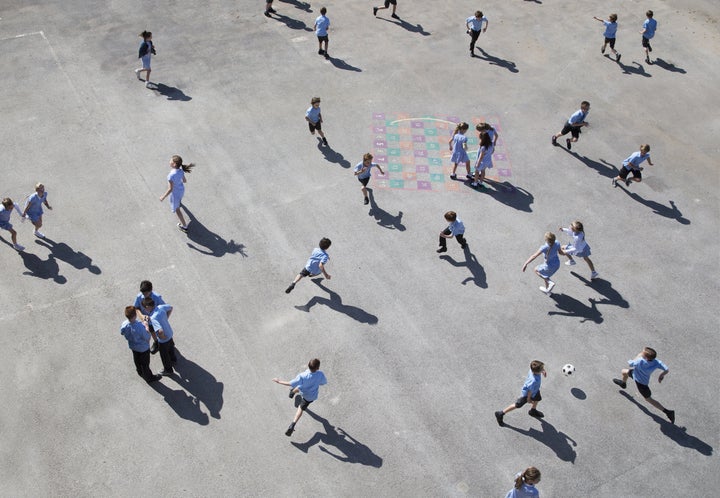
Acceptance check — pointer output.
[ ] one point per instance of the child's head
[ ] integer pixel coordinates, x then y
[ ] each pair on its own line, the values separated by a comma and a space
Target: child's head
314, 364
612, 17
585, 105
451, 216
325, 243
485, 140
315, 101
7, 203
146, 287
649, 353
531, 475
576, 226
367, 157
644, 148
39, 187
537, 366
550, 238
462, 127
148, 303
146, 35
478, 14
483, 127
130, 313
649, 14
323, 11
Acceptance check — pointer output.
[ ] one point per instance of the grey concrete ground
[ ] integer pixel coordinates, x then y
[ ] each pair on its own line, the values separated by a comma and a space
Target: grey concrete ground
419, 350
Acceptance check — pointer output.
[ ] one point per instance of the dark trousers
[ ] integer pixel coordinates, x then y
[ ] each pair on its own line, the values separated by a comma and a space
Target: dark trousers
167, 355
142, 365
461, 240
473, 38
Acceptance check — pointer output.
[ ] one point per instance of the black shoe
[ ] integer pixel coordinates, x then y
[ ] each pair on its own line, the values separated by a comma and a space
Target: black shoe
536, 413
290, 430
647, 59
291, 395
395, 16
620, 383
290, 288
154, 348
617, 59
442, 249
375, 9
154, 378
267, 14
165, 373
670, 415
327, 56
453, 177
499, 416
469, 177
602, 50
627, 182
553, 140
325, 141
272, 11
321, 52
568, 143
366, 201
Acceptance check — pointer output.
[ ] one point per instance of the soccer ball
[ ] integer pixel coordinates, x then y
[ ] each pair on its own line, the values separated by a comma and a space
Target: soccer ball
568, 369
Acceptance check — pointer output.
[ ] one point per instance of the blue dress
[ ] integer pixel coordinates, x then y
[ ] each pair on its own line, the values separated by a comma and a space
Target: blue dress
552, 260
459, 155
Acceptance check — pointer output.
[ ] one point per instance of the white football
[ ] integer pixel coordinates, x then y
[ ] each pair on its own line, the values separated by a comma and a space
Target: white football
568, 369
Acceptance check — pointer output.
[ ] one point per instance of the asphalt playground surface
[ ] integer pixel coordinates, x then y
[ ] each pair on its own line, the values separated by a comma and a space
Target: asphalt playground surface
419, 349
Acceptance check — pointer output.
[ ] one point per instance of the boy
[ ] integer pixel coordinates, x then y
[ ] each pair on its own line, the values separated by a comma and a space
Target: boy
610, 32
138, 337
307, 384
146, 291
573, 125
632, 163
456, 229
474, 25
641, 369
648, 31
387, 4
322, 23
363, 171
315, 265
314, 118
158, 317
530, 393
5, 212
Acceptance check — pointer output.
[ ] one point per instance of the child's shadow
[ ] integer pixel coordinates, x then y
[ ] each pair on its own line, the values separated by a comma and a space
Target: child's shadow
384, 219
46, 270
200, 383
214, 244
671, 212
341, 64
171, 93
559, 442
350, 449
472, 264
335, 303
603, 167
186, 407
674, 432
510, 195
497, 61
64, 252
669, 66
331, 155
574, 308
299, 5
639, 70
612, 297
413, 28
292, 23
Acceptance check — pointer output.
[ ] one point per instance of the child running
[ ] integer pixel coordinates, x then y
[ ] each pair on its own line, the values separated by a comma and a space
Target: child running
525, 484
34, 211
458, 146
573, 125
484, 159
530, 393
474, 25
648, 31
456, 229
315, 265
322, 23
641, 368
314, 118
176, 188
5, 211
307, 384
146, 51
363, 171
610, 32
579, 247
550, 250
632, 163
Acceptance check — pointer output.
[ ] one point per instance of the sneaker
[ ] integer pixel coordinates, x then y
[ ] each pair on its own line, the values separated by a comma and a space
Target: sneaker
499, 417
647, 59
620, 383
137, 73
325, 141
267, 14
550, 286
453, 177
166, 373
602, 50
148, 85
272, 11
617, 59
290, 288
395, 16
553, 140
290, 430
183, 228
536, 413
570, 262
39, 234
627, 182
614, 182
154, 378
670, 415
569, 144
594, 275
18, 247
469, 177
291, 395
321, 52
442, 249
544, 290
375, 9
327, 56
366, 201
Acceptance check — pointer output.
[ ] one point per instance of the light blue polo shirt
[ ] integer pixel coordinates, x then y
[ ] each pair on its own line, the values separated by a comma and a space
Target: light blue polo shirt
160, 321
322, 23
610, 29
532, 384
475, 23
313, 264
635, 160
578, 117
650, 25
457, 227
313, 114
155, 297
367, 172
137, 336
643, 369
309, 383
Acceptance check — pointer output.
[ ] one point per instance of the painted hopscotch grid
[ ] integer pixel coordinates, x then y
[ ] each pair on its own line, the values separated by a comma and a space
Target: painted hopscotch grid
414, 153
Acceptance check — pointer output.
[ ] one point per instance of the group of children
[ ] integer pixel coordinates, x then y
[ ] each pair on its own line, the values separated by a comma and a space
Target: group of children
610, 33
487, 136
33, 211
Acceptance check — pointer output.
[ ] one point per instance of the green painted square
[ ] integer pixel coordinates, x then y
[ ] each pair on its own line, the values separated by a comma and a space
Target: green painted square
397, 183
432, 146
389, 123
393, 152
472, 140
434, 161
395, 167
437, 177
431, 131
392, 137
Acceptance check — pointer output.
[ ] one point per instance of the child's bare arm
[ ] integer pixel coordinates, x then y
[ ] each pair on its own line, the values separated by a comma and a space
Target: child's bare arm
325, 274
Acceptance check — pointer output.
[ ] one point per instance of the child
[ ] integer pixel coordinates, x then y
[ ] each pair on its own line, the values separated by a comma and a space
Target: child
363, 172
5, 212
315, 265
579, 247
474, 25
307, 384
484, 159
610, 32
176, 188
456, 229
158, 316
268, 8
314, 118
525, 484
530, 393
33, 208
632, 163
648, 31
138, 337
322, 23
146, 291
641, 369
573, 125
458, 146
550, 249
387, 4
486, 127
146, 51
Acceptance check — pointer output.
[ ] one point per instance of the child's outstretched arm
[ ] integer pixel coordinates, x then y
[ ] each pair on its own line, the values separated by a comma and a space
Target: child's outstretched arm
325, 274
535, 255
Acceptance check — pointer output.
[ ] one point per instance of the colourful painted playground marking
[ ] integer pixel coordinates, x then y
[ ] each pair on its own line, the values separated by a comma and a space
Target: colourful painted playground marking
414, 152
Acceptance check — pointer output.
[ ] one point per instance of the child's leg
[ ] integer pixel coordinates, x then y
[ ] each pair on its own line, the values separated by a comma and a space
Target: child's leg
37, 223
467, 167
454, 169
590, 263
482, 176
656, 404
364, 191
461, 240
509, 409
546, 280
298, 277
443, 240
320, 132
180, 217
625, 373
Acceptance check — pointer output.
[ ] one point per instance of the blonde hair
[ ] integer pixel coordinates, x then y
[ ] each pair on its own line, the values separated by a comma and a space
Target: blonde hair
315, 100
39, 186
367, 157
550, 238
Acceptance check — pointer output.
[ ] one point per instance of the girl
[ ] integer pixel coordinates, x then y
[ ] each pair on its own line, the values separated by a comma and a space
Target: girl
458, 146
490, 131
147, 49
5, 211
525, 484
484, 159
579, 247
550, 249
33, 208
176, 187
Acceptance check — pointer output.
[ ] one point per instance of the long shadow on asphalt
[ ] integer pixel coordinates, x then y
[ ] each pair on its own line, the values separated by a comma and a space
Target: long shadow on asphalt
669, 66
335, 303
186, 407
64, 252
510, 195
603, 167
572, 307
674, 432
292, 23
413, 28
348, 449
476, 270
497, 61
200, 384
383, 218
341, 64
633, 68
207, 242
559, 442
45, 269
612, 297
671, 212
298, 5
332, 156
171, 93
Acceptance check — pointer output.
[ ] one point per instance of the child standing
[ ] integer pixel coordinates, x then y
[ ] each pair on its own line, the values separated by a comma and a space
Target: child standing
579, 247
315, 265
176, 187
530, 392
456, 229
146, 51
314, 118
525, 484
158, 316
610, 33
307, 384
648, 31
363, 171
146, 292
322, 23
632, 163
550, 250
474, 25
573, 125
641, 368
5, 211
458, 146
484, 159
486, 127
33, 208
138, 338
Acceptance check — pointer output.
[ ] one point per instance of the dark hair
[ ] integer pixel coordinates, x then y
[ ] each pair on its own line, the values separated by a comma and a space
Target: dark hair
148, 302
325, 243
584, 102
650, 353
478, 13
485, 140
130, 312
649, 13
530, 473
146, 286
537, 366
451, 216
177, 161
323, 11
314, 364
145, 34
